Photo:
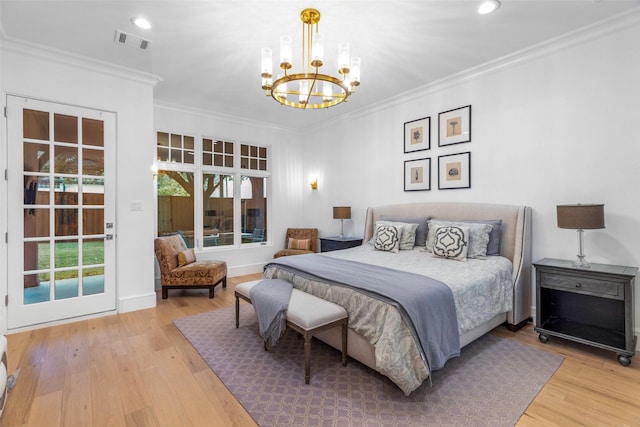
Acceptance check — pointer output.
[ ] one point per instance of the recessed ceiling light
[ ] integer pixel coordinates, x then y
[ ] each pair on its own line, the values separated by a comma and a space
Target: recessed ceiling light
488, 6
141, 22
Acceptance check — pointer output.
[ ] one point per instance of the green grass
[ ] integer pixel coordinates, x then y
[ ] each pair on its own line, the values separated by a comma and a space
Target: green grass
66, 255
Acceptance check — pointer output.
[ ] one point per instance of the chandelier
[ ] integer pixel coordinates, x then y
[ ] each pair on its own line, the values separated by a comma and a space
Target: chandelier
310, 89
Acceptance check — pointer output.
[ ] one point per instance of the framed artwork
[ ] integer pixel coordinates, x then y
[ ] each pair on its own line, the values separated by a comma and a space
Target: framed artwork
454, 171
417, 175
454, 126
417, 135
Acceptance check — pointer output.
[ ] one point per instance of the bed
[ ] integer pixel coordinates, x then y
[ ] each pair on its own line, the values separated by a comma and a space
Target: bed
486, 291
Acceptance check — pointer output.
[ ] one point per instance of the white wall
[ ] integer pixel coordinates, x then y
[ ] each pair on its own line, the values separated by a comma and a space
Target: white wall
550, 126
554, 125
285, 201
52, 76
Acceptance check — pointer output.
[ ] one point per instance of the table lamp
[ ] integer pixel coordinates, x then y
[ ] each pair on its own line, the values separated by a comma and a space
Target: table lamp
341, 213
581, 217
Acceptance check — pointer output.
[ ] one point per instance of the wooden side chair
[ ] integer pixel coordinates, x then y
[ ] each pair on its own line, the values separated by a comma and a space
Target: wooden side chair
299, 241
179, 268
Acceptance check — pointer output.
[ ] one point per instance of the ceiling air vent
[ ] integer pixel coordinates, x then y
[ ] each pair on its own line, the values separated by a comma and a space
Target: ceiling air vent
131, 40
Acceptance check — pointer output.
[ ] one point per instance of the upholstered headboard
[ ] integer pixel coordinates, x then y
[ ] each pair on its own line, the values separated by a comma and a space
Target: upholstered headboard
515, 238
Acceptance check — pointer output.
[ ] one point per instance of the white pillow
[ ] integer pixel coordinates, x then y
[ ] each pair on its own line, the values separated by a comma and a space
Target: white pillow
451, 242
478, 236
387, 238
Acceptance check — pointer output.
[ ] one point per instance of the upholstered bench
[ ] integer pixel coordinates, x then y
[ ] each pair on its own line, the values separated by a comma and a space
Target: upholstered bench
307, 315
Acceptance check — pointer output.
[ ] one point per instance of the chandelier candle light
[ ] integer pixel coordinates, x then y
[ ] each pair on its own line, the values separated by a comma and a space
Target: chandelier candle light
310, 89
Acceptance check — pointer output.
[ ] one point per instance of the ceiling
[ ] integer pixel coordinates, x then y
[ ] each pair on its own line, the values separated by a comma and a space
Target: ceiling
207, 53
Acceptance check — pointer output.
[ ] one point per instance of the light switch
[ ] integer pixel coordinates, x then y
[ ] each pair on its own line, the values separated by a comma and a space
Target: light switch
136, 205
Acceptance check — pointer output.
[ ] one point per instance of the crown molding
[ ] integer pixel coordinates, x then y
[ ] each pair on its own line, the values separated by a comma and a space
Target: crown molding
229, 118
548, 47
35, 50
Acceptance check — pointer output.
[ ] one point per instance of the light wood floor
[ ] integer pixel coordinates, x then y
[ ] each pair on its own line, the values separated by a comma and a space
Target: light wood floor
136, 369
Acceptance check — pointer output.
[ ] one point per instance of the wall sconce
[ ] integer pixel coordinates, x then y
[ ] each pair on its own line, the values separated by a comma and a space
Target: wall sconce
154, 170
314, 184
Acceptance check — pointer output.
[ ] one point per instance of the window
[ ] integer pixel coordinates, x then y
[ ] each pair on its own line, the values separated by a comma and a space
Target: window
253, 157
175, 148
254, 209
215, 212
176, 204
217, 153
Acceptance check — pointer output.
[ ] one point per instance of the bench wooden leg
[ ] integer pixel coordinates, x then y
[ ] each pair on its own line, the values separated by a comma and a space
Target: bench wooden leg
237, 311
344, 343
307, 357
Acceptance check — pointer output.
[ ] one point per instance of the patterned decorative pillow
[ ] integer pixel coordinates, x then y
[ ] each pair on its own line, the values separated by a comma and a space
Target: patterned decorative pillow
493, 248
186, 257
451, 242
478, 236
421, 232
407, 233
387, 238
303, 244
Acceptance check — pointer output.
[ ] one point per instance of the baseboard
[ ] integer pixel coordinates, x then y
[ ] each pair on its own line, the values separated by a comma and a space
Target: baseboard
245, 269
137, 302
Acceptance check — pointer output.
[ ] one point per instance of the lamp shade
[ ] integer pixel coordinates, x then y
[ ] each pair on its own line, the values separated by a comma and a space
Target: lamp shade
341, 212
580, 217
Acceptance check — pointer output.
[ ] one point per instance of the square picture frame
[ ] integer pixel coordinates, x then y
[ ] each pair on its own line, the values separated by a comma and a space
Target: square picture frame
417, 135
454, 126
417, 174
454, 171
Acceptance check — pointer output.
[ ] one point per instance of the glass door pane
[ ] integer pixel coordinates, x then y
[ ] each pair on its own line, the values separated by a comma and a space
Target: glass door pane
57, 212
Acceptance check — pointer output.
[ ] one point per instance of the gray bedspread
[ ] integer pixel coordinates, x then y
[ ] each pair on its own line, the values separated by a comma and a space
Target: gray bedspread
426, 305
270, 300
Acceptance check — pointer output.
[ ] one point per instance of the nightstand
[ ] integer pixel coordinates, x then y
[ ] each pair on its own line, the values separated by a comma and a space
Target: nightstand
328, 244
592, 306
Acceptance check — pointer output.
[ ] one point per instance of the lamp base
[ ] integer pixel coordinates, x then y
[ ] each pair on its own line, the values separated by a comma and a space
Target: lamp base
581, 262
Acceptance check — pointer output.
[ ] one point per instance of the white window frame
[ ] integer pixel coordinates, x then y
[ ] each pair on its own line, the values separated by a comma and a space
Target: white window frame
198, 170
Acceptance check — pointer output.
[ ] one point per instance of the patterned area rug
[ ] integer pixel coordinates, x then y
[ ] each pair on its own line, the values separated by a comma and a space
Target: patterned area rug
490, 384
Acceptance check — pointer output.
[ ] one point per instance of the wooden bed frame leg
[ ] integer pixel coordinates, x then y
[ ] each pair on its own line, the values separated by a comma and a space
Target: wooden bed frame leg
517, 326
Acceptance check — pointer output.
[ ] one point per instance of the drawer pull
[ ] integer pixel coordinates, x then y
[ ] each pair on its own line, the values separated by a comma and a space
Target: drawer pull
578, 285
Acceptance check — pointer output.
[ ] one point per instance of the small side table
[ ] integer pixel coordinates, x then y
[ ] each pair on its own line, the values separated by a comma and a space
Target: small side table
336, 243
592, 306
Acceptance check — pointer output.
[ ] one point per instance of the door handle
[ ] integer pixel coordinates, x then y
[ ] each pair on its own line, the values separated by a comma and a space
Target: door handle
108, 237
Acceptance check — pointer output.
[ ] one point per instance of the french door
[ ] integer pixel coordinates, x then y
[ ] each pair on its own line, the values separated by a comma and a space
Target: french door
61, 213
